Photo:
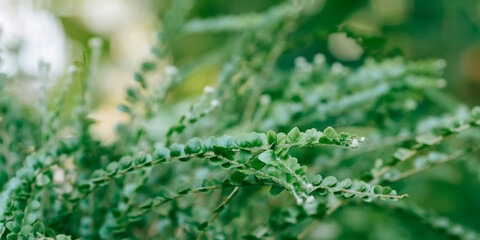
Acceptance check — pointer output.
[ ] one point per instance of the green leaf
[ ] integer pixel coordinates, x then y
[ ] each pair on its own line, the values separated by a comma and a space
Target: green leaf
237, 176
202, 226
148, 66
345, 183
148, 159
146, 204
139, 78
312, 135
253, 140
18, 217
330, 133
250, 237
281, 138
344, 136
225, 141
123, 108
133, 93
403, 154
193, 146
328, 181
293, 136
98, 176
223, 151
274, 172
268, 157
241, 141
161, 153
271, 137
209, 143
315, 179
387, 190
62, 237
378, 189
243, 156
38, 227
134, 216
359, 186
176, 128
255, 163
428, 139
125, 162
140, 158
176, 150
12, 236
13, 226
227, 165
475, 114
31, 218
85, 187
276, 189
112, 168
42, 179
26, 230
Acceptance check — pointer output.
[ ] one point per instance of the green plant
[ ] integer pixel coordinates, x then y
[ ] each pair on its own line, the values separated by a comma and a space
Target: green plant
206, 175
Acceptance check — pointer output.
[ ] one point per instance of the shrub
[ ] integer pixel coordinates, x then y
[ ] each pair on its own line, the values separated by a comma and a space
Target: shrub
235, 164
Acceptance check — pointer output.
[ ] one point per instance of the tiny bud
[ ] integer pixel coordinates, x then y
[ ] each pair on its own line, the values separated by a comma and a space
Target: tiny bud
441, 63
208, 89
95, 42
310, 187
302, 64
299, 201
265, 99
310, 199
441, 83
59, 176
319, 59
72, 69
171, 70
300, 61
363, 139
337, 68
215, 103
355, 143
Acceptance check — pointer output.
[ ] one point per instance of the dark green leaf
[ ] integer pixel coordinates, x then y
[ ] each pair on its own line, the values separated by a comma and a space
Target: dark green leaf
276, 189
271, 137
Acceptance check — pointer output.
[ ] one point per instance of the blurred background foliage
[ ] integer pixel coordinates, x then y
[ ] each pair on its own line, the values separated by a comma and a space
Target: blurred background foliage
350, 32
415, 29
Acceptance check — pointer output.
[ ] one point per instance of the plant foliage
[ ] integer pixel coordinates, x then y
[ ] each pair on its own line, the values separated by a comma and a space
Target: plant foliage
253, 158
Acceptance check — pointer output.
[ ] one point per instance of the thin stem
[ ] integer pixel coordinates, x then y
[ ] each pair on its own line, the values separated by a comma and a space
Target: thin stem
263, 175
44, 68
415, 151
413, 171
262, 232
374, 194
217, 212
59, 104
29, 200
304, 184
154, 203
386, 142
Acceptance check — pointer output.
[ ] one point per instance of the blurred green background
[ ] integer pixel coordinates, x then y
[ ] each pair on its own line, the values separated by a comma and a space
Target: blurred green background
58, 31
